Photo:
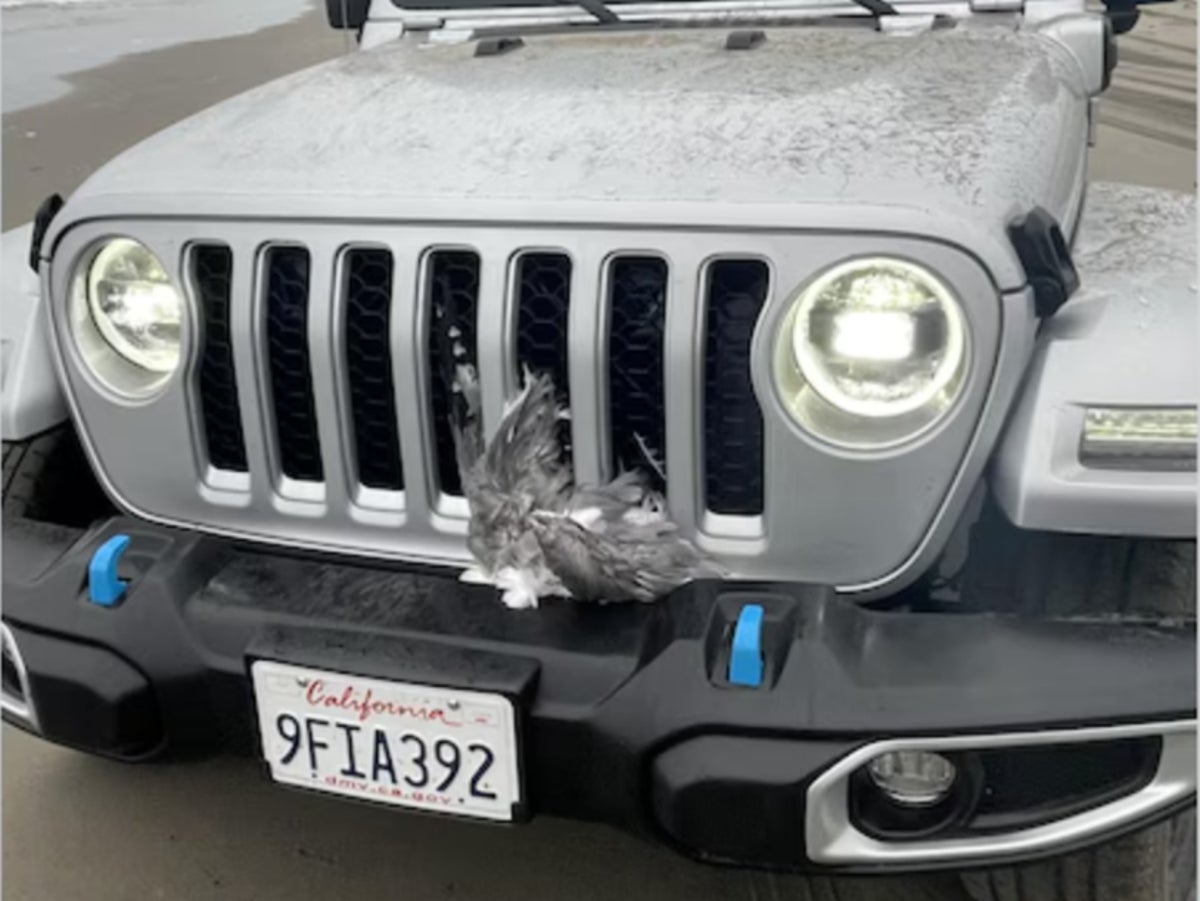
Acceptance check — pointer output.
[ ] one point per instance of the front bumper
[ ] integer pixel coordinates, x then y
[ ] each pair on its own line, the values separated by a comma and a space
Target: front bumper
627, 715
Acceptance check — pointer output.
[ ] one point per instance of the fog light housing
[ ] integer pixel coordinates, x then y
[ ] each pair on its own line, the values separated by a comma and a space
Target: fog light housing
905, 793
913, 778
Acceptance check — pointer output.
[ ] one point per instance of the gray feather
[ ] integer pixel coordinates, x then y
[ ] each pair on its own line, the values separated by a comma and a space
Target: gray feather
531, 527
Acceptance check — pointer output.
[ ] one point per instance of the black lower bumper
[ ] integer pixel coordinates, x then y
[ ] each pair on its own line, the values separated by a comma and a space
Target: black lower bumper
626, 714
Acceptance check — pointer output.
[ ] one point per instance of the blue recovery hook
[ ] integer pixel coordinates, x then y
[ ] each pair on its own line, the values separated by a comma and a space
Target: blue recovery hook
745, 655
104, 586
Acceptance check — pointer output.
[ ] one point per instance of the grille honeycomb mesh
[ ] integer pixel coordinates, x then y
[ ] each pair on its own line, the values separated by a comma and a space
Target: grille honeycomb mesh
543, 299
212, 271
638, 308
454, 292
287, 352
733, 424
369, 366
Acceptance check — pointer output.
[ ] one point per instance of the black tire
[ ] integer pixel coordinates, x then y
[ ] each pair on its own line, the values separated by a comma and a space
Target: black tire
347, 14
1041, 574
48, 478
917, 887
1155, 864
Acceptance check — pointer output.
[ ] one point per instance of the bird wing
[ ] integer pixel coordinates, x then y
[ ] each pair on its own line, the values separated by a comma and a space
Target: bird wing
630, 561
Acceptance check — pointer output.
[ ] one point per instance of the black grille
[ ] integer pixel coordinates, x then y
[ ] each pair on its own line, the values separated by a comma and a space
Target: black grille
638, 305
543, 296
291, 378
369, 366
454, 290
733, 424
212, 270
1029, 785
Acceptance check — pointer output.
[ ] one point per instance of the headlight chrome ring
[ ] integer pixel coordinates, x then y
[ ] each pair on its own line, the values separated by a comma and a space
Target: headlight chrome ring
872, 352
127, 316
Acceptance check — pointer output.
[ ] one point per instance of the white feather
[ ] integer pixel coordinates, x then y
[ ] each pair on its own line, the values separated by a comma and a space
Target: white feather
519, 588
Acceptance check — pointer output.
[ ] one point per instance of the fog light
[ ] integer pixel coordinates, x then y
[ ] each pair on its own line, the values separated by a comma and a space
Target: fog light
913, 778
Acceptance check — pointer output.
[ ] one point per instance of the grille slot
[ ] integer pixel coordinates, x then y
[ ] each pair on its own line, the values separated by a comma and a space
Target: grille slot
369, 274
453, 297
212, 272
291, 376
543, 288
637, 325
733, 423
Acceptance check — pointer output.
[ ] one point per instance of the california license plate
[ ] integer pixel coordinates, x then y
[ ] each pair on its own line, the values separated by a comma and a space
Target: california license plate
442, 749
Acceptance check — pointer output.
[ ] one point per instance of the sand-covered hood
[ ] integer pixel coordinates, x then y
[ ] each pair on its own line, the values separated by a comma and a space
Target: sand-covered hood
973, 125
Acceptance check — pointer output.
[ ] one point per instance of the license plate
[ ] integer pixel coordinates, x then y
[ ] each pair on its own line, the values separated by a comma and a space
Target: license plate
443, 749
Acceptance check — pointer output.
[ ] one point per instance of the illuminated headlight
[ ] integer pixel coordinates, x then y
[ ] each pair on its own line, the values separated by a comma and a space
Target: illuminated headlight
872, 352
134, 306
1143, 438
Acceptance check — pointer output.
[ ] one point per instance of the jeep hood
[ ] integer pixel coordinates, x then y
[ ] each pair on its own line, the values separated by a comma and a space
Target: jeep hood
949, 133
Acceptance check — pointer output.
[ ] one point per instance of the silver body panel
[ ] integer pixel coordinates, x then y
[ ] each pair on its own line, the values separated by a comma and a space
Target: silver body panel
843, 518
31, 400
821, 144
945, 134
1127, 339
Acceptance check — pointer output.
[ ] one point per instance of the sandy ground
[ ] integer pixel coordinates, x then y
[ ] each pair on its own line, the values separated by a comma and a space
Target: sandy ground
44, 41
55, 146
80, 828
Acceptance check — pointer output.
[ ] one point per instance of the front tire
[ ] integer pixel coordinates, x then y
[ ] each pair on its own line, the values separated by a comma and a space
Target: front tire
1155, 864
1054, 575
347, 14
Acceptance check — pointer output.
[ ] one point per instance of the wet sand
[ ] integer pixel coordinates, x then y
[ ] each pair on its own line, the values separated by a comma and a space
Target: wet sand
55, 146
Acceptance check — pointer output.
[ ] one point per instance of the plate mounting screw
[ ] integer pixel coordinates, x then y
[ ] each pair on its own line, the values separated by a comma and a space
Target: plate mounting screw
453, 705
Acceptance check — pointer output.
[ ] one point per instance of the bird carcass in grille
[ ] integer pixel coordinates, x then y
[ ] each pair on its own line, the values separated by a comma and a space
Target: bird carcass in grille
535, 533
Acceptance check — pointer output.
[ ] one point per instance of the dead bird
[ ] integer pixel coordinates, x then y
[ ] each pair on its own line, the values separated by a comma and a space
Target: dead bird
535, 533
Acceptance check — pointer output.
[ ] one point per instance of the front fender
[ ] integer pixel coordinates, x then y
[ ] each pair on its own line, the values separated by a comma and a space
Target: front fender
1127, 339
31, 400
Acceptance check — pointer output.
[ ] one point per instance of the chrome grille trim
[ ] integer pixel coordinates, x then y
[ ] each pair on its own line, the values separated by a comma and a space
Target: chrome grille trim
408, 326
495, 332
831, 838
682, 384
587, 336
249, 360
327, 369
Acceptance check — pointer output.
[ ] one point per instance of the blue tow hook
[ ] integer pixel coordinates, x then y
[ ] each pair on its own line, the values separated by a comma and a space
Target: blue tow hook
104, 587
745, 656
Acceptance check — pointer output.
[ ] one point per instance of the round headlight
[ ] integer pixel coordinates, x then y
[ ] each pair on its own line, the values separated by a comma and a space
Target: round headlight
872, 352
134, 306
